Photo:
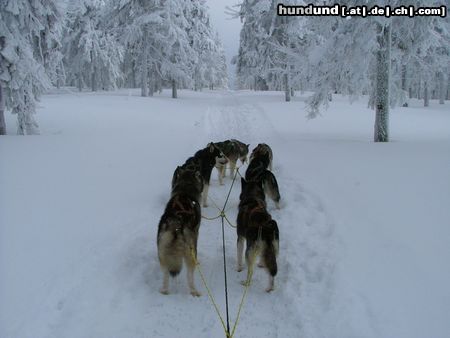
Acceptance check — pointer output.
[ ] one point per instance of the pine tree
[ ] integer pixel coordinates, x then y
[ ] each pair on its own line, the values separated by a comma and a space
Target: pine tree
253, 56
92, 54
28, 41
354, 57
210, 70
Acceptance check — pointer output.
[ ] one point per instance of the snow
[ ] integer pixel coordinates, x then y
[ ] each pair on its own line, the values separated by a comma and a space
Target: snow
364, 235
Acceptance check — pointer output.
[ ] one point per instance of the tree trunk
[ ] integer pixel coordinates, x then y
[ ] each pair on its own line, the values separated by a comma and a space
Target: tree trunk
80, 82
174, 89
58, 77
26, 124
292, 92
151, 84
94, 80
441, 88
133, 74
404, 84
144, 76
426, 95
383, 57
2, 113
93, 73
287, 89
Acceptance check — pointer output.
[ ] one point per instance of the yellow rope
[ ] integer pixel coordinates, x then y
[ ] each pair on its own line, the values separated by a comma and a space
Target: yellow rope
228, 221
222, 214
211, 218
241, 304
211, 298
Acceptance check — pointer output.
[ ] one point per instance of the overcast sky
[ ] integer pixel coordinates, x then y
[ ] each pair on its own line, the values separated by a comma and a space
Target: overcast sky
228, 29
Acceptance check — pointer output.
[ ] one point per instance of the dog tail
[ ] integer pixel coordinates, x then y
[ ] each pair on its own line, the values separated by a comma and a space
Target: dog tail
270, 258
270, 186
270, 251
169, 256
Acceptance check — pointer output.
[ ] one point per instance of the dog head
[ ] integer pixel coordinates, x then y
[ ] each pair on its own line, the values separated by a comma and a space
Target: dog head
261, 151
187, 176
243, 152
216, 153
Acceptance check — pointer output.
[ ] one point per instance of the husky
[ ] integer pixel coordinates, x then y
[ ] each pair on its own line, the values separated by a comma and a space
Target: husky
262, 150
203, 161
233, 151
178, 228
258, 229
257, 171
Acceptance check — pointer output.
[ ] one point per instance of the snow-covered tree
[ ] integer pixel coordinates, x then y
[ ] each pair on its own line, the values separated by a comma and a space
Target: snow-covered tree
267, 42
354, 55
179, 56
216, 74
29, 35
92, 54
155, 32
252, 56
168, 43
210, 69
139, 25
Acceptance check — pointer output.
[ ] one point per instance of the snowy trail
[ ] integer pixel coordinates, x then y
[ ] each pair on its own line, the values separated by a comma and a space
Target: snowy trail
113, 290
128, 265
361, 248
307, 243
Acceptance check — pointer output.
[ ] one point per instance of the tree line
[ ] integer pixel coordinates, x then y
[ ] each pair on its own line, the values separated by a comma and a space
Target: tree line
103, 45
387, 59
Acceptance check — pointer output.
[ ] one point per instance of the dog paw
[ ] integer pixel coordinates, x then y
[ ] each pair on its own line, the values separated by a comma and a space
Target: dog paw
164, 291
195, 293
261, 265
239, 268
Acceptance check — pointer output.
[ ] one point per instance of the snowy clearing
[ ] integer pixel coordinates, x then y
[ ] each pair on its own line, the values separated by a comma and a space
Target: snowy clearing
364, 227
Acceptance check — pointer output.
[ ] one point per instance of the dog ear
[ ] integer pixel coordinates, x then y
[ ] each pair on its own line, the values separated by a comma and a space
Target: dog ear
211, 147
177, 172
198, 176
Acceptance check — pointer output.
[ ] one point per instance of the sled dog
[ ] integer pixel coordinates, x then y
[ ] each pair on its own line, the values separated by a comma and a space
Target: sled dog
233, 150
258, 229
257, 171
263, 151
179, 226
203, 161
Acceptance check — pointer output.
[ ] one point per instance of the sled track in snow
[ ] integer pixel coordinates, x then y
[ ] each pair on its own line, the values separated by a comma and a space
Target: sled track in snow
114, 292
307, 260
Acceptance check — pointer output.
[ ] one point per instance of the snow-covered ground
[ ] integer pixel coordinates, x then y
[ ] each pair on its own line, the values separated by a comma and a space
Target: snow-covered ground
364, 227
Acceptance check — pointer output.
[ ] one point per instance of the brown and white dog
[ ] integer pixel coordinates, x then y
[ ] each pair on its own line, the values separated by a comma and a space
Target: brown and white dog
260, 232
179, 227
233, 151
257, 170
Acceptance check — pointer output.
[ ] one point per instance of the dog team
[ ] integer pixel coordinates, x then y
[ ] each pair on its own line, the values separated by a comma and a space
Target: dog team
179, 226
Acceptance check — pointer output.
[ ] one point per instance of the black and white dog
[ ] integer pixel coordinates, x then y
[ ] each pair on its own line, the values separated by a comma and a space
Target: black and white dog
233, 151
257, 171
203, 161
258, 229
179, 226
